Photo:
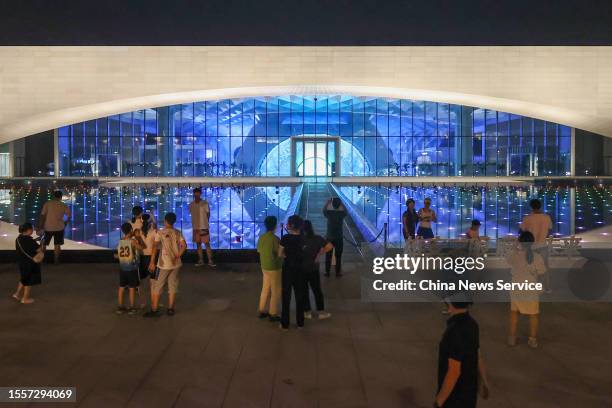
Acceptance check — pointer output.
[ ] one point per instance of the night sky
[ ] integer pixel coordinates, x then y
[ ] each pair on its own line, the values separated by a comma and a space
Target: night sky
305, 22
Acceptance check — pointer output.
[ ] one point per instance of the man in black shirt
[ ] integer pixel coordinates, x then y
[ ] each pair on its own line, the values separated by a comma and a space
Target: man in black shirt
292, 277
335, 212
459, 361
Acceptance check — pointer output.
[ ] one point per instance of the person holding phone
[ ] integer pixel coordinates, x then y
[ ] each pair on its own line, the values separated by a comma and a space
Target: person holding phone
30, 275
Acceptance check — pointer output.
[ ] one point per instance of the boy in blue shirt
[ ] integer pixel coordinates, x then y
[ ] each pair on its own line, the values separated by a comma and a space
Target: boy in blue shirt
127, 253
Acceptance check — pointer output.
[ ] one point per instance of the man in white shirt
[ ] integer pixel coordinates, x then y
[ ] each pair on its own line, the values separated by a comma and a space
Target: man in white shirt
52, 222
540, 225
200, 216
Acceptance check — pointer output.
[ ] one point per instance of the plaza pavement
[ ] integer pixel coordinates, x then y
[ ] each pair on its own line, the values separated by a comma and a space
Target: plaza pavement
215, 352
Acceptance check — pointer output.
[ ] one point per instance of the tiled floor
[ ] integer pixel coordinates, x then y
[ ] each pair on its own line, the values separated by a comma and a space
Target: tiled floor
215, 352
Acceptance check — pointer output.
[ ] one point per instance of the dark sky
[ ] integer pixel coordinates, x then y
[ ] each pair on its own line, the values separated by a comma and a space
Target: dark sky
305, 22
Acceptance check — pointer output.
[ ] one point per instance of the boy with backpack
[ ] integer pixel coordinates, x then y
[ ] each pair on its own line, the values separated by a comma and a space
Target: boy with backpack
170, 245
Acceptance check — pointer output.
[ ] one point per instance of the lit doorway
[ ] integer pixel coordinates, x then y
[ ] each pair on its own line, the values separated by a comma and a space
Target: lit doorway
315, 156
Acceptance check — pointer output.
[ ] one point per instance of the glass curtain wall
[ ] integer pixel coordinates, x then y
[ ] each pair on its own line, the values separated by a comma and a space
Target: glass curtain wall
251, 137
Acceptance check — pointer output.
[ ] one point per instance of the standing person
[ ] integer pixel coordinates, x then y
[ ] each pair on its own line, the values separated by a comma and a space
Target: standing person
335, 212
313, 246
473, 236
410, 219
200, 216
460, 365
474, 231
148, 232
128, 251
29, 269
540, 225
271, 268
137, 213
172, 246
526, 265
292, 278
52, 222
427, 216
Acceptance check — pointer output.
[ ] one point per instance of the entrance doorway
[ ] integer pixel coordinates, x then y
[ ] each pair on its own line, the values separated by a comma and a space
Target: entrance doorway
315, 156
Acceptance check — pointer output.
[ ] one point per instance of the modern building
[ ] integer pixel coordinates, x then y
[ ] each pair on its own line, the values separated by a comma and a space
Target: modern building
251, 117
288, 111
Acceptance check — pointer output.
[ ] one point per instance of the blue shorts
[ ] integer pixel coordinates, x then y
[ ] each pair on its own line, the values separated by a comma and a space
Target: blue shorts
426, 233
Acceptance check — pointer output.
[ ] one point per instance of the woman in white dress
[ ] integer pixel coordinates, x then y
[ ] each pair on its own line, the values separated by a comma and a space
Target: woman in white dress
526, 265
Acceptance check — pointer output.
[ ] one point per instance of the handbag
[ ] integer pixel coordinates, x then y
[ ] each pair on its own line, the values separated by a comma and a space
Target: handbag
37, 258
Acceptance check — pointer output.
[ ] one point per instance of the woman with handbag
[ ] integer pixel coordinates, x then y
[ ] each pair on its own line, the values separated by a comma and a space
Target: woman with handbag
526, 266
29, 258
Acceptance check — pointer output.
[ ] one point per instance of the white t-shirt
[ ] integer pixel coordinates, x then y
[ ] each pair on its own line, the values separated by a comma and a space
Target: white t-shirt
539, 224
199, 214
149, 241
426, 216
170, 240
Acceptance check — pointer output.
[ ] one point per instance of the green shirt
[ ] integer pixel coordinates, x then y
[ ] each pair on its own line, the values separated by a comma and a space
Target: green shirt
267, 246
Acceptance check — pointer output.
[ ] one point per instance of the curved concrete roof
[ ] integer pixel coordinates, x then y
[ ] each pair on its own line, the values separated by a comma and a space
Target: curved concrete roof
42, 88
55, 119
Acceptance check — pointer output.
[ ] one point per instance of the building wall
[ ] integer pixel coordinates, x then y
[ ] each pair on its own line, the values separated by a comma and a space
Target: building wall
571, 83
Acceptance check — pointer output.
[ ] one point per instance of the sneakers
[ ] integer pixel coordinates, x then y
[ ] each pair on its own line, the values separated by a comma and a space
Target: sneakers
283, 328
532, 342
121, 310
199, 263
26, 301
307, 315
512, 341
274, 318
324, 315
132, 311
263, 315
212, 264
151, 313
170, 312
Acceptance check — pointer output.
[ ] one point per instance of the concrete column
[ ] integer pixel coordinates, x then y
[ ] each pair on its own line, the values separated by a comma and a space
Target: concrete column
572, 210
573, 153
56, 167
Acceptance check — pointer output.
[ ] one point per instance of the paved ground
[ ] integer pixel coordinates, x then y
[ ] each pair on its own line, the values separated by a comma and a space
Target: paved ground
215, 352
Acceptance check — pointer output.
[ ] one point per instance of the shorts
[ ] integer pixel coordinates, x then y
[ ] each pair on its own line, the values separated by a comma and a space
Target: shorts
525, 307
426, 233
129, 279
143, 268
58, 237
201, 236
166, 275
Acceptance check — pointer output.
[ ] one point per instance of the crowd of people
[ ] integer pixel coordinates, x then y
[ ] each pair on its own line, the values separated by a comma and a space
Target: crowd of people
290, 268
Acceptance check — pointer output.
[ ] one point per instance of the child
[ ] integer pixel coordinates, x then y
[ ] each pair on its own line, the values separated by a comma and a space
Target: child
476, 244
292, 277
27, 249
172, 246
314, 245
474, 231
127, 252
271, 265
148, 233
